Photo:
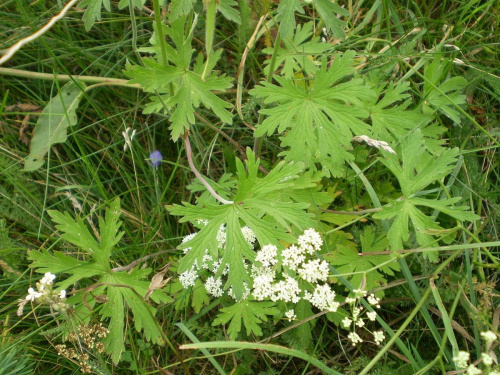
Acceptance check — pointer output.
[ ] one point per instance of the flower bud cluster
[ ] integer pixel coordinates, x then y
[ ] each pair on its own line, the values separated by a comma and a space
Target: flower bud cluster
487, 359
86, 339
357, 318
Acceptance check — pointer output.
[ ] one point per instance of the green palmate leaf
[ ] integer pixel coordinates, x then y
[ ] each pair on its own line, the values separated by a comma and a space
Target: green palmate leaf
123, 289
181, 90
318, 119
252, 314
226, 7
286, 16
297, 51
441, 94
328, 12
369, 269
179, 8
52, 125
418, 170
93, 11
259, 204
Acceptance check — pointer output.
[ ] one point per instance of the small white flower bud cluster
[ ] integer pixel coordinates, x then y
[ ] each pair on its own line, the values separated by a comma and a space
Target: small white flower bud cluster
44, 294
355, 320
462, 358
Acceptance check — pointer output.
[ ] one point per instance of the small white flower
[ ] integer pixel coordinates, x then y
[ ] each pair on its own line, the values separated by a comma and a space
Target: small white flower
487, 359
33, 294
267, 256
221, 236
323, 298
128, 137
378, 336
249, 235
287, 290
188, 278
372, 315
214, 286
462, 359
489, 336
187, 238
263, 284
354, 337
359, 293
356, 312
48, 278
62, 294
473, 370
314, 270
346, 322
350, 300
375, 301
290, 314
360, 323
310, 241
293, 257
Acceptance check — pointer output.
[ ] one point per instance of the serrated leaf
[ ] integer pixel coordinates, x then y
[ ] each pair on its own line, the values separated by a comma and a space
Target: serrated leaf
318, 121
256, 199
179, 8
418, 170
347, 261
93, 11
298, 51
286, 16
438, 93
328, 11
226, 7
123, 289
179, 90
52, 125
251, 313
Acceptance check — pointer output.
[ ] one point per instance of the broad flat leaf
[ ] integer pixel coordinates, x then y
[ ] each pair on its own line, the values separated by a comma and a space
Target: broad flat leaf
257, 204
252, 314
52, 125
286, 16
298, 52
347, 260
318, 122
93, 11
418, 170
439, 92
328, 11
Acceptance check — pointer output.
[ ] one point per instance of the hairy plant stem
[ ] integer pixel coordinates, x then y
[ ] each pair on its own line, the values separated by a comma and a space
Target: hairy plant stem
198, 175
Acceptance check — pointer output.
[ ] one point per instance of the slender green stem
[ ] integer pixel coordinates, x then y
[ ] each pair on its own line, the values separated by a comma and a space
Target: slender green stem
159, 30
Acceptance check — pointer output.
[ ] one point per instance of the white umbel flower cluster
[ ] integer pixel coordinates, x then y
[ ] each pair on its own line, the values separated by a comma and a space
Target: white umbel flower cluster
44, 294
